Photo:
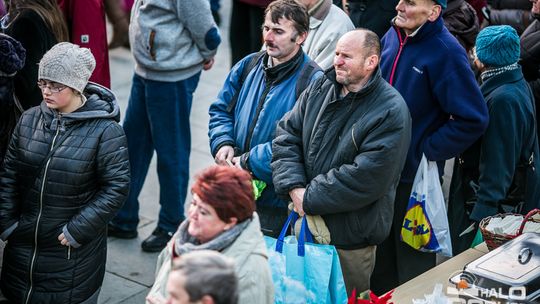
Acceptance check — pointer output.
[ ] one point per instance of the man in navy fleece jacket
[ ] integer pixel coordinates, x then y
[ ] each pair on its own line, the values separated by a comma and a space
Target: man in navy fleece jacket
427, 65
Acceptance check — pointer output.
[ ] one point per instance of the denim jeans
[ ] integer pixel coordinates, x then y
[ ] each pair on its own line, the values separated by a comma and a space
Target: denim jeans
157, 118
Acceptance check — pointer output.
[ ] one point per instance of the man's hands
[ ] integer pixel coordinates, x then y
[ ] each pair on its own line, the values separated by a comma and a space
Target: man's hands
236, 162
297, 196
224, 154
225, 157
207, 64
63, 240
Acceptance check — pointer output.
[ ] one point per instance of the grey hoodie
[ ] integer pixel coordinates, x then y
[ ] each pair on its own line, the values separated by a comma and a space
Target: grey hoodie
170, 39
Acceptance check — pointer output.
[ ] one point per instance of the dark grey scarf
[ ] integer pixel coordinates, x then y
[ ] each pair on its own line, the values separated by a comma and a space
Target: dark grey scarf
185, 243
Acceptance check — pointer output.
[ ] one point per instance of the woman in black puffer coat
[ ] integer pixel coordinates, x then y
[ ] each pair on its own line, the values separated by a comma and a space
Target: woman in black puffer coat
66, 174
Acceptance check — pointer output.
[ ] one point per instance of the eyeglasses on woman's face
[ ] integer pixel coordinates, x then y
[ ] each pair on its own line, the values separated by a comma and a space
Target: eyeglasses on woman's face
54, 87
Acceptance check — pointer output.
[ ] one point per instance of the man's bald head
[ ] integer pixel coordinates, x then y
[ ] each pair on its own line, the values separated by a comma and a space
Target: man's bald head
365, 40
356, 59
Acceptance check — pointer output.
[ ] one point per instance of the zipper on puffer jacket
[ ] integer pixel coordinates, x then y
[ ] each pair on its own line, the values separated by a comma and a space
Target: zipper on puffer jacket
44, 178
394, 64
69, 252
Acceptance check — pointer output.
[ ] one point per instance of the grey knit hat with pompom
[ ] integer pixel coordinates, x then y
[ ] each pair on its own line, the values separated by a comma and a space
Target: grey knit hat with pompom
68, 64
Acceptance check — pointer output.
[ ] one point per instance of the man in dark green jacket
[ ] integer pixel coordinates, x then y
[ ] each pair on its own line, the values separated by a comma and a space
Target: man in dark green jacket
339, 153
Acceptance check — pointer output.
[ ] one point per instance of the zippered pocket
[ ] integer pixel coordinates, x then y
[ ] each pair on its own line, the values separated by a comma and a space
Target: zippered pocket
69, 252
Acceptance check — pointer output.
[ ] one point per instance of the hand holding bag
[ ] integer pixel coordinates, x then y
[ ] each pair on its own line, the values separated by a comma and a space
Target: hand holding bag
425, 226
304, 272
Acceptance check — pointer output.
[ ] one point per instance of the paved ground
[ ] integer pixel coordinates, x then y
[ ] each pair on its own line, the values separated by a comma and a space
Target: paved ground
130, 271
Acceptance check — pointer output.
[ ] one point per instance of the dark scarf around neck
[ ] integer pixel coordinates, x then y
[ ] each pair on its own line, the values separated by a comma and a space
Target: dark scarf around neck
185, 243
282, 71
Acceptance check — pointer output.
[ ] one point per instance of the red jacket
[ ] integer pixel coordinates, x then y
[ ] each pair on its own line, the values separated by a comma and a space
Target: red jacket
87, 28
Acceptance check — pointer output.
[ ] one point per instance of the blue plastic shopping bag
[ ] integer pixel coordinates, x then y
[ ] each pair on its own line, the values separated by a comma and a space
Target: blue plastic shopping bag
304, 272
425, 225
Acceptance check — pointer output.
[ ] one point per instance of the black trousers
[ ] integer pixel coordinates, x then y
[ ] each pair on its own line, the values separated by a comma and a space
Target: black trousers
397, 262
245, 32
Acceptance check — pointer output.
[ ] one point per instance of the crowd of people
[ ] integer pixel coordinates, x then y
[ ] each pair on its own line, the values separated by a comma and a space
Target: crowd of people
328, 105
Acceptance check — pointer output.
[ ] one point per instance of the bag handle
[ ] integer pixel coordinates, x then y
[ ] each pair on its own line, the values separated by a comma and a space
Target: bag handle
425, 165
305, 234
526, 219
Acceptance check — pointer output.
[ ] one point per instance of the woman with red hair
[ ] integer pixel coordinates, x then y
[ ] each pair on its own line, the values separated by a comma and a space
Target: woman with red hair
222, 217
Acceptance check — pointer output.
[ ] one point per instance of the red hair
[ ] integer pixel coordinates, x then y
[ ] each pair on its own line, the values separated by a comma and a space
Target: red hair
228, 190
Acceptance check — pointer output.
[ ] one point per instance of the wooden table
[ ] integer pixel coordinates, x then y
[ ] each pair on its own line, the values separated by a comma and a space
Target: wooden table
424, 283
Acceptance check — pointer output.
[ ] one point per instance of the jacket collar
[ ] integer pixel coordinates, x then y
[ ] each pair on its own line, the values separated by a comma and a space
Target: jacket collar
280, 72
371, 85
425, 31
498, 80
249, 242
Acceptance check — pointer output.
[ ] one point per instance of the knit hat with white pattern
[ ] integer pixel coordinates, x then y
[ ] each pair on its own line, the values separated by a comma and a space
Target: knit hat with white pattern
68, 64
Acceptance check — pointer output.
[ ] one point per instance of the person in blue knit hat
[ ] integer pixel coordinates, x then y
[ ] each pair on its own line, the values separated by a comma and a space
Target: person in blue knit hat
489, 176
431, 70
497, 46
508, 171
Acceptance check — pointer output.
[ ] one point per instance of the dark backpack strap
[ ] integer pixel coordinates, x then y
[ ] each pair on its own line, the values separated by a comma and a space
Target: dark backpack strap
306, 74
245, 72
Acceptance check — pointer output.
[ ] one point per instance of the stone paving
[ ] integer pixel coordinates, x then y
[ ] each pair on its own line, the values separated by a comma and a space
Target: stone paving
130, 271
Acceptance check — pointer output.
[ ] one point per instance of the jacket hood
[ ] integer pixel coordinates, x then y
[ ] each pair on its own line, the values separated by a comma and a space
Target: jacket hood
100, 104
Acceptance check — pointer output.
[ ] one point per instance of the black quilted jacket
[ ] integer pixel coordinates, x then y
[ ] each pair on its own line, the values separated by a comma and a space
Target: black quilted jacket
62, 173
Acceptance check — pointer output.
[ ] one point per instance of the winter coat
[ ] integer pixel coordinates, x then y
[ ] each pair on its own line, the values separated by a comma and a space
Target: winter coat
326, 26
251, 259
66, 174
486, 175
250, 126
460, 19
510, 4
88, 29
436, 86
32, 32
515, 13
171, 40
348, 153
508, 143
530, 59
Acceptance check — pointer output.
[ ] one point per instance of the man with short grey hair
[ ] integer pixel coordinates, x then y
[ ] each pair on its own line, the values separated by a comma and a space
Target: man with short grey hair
203, 276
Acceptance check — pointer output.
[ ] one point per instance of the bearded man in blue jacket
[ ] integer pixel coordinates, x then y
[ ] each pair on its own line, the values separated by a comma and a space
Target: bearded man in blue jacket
243, 119
430, 69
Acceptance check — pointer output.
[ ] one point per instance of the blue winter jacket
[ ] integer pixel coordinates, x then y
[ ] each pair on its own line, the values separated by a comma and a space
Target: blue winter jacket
431, 71
243, 124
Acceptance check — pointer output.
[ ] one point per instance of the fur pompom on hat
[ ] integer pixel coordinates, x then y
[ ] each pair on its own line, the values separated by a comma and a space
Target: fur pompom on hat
497, 46
68, 64
12, 55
